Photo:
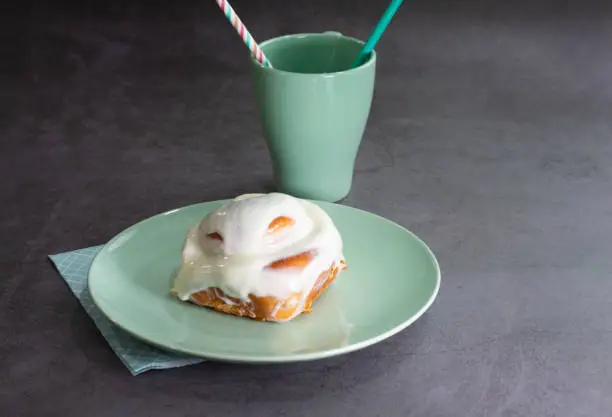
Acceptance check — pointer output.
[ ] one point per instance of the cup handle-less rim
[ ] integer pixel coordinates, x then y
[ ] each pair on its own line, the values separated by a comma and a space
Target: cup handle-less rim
370, 61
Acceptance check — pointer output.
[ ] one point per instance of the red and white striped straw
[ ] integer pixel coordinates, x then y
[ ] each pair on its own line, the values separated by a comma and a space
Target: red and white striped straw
247, 38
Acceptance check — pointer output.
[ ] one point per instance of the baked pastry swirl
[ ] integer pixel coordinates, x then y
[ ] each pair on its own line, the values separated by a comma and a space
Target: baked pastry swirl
263, 256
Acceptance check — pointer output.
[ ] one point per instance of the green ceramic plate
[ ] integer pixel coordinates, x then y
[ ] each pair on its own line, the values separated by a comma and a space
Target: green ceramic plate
391, 281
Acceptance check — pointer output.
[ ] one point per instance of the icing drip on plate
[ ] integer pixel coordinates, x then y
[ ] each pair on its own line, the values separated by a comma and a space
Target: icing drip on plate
261, 245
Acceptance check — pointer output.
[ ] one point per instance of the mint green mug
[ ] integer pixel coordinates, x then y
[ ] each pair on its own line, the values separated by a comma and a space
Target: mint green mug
314, 109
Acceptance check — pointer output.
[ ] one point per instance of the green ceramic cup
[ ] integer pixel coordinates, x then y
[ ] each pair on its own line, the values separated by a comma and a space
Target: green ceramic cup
314, 109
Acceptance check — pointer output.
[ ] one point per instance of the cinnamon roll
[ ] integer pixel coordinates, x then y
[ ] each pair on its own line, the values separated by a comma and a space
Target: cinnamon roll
267, 257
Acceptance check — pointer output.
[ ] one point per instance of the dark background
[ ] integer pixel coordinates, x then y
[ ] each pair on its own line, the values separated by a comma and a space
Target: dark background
490, 137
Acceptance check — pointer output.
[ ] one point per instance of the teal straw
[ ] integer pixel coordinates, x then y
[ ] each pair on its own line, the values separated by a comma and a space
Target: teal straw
377, 33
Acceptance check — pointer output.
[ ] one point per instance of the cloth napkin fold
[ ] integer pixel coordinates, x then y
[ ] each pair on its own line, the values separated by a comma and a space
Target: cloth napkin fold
137, 356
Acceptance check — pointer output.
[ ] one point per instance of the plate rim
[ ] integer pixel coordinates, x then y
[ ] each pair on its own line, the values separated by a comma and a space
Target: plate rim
272, 359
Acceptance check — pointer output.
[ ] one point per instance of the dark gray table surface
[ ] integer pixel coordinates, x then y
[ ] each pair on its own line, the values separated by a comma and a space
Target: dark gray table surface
489, 136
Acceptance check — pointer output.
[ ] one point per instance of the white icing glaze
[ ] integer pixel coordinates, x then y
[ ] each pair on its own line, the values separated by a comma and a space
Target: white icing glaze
237, 265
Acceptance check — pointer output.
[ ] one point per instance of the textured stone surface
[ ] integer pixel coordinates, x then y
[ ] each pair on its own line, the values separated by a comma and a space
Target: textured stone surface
490, 137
